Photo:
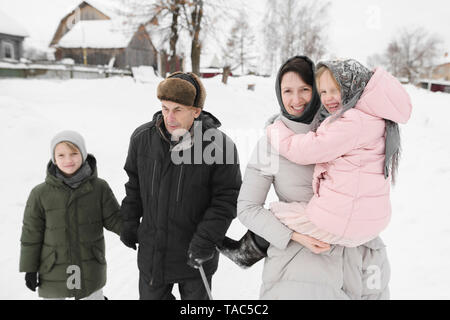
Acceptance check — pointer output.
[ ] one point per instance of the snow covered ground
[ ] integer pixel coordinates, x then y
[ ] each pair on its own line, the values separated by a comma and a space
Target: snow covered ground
107, 111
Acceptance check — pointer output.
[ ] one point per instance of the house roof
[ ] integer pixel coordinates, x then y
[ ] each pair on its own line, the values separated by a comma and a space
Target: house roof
106, 8
10, 26
98, 34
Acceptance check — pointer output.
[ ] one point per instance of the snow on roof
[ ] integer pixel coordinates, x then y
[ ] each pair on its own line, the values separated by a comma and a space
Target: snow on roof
99, 34
210, 61
444, 59
210, 70
10, 26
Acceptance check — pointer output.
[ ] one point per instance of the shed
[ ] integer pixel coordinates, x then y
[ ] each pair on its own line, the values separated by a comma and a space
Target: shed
90, 36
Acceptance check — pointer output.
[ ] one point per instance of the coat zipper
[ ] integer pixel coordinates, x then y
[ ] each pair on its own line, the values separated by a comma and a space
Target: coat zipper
179, 183
153, 176
78, 247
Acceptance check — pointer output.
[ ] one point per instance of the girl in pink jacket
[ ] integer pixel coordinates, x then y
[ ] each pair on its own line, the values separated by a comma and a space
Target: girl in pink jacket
356, 153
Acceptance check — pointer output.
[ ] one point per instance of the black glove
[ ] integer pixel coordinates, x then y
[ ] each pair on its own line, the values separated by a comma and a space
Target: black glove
129, 237
31, 280
195, 260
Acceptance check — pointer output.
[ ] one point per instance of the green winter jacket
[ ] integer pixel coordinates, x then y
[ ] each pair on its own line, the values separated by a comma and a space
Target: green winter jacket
63, 231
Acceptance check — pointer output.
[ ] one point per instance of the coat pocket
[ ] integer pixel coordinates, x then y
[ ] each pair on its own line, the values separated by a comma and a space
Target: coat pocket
48, 263
99, 255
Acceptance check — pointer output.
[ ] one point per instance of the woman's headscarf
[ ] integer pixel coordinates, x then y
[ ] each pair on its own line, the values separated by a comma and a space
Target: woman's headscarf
306, 71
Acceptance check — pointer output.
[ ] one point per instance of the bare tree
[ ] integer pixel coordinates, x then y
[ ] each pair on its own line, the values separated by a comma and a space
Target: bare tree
270, 37
295, 28
165, 15
310, 25
239, 51
173, 18
410, 54
201, 21
193, 15
418, 50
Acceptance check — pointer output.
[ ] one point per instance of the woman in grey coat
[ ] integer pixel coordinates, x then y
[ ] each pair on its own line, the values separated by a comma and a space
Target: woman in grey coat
291, 269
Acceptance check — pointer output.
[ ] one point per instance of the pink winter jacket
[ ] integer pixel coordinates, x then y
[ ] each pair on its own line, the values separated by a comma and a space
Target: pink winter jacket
351, 195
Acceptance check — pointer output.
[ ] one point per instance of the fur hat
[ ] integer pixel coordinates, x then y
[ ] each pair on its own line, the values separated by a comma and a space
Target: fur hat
184, 88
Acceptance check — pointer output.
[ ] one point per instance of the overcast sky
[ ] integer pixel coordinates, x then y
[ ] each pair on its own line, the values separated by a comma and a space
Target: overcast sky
357, 29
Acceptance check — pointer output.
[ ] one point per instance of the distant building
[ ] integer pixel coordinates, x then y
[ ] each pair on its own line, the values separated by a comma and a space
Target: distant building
211, 67
437, 78
12, 35
92, 34
435, 85
442, 69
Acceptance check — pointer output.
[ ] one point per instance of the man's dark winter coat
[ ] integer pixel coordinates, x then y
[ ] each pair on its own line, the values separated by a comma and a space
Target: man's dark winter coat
175, 207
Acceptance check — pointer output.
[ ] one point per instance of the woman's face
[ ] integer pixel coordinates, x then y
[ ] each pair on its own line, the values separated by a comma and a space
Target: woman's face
295, 93
330, 94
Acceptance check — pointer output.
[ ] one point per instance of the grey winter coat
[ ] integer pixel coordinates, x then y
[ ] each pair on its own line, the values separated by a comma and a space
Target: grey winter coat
292, 271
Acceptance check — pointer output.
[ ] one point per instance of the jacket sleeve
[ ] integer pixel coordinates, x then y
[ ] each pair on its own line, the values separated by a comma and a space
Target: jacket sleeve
332, 140
253, 194
131, 209
32, 238
112, 219
225, 182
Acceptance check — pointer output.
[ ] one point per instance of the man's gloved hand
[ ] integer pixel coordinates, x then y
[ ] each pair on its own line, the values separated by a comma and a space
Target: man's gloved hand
31, 280
195, 260
129, 237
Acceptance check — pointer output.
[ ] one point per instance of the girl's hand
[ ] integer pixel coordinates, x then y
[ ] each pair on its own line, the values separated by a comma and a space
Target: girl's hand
312, 244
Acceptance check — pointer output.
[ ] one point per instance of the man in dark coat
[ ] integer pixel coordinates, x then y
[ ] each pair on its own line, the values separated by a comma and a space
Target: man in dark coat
184, 180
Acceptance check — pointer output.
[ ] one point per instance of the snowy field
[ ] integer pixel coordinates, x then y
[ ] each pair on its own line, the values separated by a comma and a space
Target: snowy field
107, 111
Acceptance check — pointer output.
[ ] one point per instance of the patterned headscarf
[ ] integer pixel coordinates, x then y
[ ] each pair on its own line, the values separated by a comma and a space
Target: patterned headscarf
352, 77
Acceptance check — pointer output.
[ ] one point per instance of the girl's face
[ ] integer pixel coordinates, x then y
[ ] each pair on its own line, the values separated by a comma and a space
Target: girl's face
67, 160
295, 93
330, 94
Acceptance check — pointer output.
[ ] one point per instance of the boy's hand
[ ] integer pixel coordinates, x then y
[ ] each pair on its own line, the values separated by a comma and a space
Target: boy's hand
129, 238
31, 280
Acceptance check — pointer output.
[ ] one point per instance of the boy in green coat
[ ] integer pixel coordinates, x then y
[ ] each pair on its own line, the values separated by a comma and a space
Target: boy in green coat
62, 243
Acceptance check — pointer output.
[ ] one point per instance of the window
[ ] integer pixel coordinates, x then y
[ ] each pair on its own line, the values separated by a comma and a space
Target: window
8, 50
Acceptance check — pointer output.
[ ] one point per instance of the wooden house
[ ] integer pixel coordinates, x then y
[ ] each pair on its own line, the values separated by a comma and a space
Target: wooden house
92, 34
12, 35
442, 68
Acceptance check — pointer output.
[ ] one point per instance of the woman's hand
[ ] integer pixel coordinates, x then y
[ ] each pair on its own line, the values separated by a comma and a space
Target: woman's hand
312, 244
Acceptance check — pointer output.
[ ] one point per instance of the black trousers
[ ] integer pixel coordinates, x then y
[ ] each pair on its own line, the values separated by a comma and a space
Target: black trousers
192, 289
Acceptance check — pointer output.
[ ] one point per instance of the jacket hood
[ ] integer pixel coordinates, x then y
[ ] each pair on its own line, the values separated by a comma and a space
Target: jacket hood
51, 170
385, 97
313, 106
